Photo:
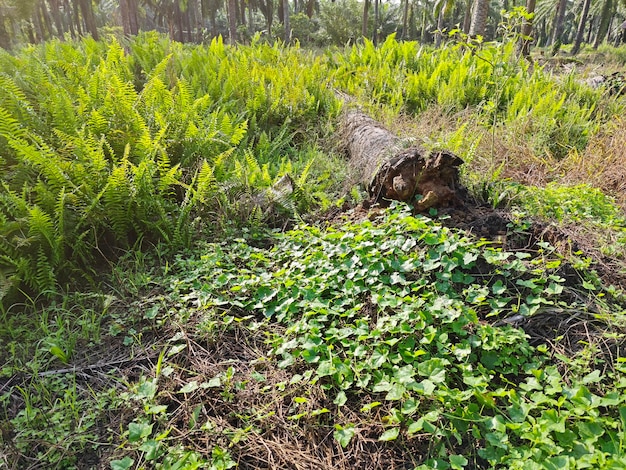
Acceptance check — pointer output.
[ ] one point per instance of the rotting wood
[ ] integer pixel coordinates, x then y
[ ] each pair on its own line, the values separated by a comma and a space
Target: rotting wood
392, 171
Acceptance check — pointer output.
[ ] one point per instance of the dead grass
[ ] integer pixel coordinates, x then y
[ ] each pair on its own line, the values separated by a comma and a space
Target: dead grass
601, 165
264, 418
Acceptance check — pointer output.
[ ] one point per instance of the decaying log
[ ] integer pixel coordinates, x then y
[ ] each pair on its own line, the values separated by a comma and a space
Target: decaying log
391, 171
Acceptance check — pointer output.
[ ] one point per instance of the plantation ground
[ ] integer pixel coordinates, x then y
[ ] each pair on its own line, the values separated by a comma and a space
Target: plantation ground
234, 330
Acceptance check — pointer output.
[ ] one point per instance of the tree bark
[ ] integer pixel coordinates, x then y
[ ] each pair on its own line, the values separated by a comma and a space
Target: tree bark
267, 9
375, 26
439, 32
366, 7
467, 17
405, 20
130, 22
56, 16
5, 37
232, 21
86, 8
47, 22
310, 8
557, 30
68, 18
287, 21
39, 35
580, 33
479, 18
605, 19
77, 22
527, 30
392, 172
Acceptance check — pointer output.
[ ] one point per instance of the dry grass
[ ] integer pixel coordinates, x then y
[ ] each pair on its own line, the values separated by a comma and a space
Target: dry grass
601, 165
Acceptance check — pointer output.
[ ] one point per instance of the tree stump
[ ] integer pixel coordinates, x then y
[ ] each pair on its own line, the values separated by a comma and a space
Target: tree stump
391, 171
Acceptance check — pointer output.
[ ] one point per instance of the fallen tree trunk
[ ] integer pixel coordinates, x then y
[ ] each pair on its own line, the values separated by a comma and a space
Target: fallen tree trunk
391, 171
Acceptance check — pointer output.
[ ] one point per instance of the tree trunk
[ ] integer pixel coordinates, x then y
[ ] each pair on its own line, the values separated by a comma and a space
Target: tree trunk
39, 37
267, 9
47, 22
86, 8
241, 12
527, 30
392, 172
310, 8
128, 11
366, 7
56, 16
189, 23
5, 37
68, 18
590, 29
287, 21
479, 18
423, 28
467, 17
251, 30
605, 19
232, 21
580, 33
375, 32
405, 20
439, 32
77, 21
557, 30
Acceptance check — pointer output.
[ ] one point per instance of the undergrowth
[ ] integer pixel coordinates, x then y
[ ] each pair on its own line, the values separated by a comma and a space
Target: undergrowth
161, 176
105, 151
393, 332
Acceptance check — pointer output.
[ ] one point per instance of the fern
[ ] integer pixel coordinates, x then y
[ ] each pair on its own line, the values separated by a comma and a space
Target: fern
205, 183
42, 277
117, 197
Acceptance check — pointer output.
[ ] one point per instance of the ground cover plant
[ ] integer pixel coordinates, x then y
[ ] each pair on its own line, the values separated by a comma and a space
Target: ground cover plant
165, 304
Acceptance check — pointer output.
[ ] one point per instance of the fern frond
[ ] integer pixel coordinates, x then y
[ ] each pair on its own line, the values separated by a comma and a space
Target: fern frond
10, 93
117, 197
10, 128
253, 169
205, 182
59, 222
305, 173
40, 225
45, 278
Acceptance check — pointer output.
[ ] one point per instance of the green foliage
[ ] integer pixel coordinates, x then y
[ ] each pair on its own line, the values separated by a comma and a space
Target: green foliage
556, 116
341, 21
391, 313
103, 151
572, 204
609, 53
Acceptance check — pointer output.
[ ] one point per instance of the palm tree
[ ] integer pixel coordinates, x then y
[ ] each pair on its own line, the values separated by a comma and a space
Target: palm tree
232, 21
607, 13
130, 17
557, 30
86, 10
581, 27
479, 18
527, 29
443, 9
